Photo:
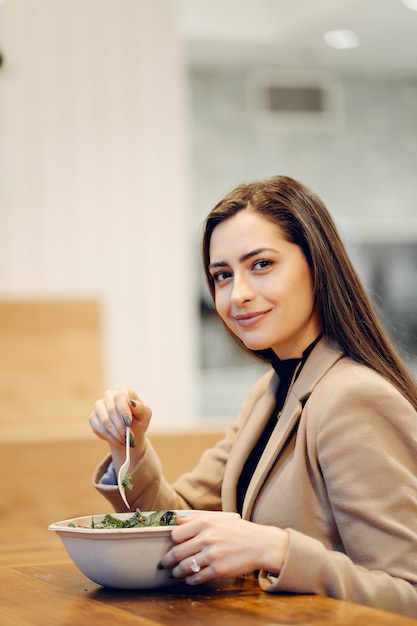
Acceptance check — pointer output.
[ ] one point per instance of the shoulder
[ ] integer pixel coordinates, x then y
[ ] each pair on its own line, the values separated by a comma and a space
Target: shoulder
347, 379
351, 396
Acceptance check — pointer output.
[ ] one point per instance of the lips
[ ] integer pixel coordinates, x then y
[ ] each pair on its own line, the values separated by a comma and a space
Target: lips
247, 320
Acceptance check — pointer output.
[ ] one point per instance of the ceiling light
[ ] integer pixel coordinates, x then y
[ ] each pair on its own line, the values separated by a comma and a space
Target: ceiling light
341, 39
410, 4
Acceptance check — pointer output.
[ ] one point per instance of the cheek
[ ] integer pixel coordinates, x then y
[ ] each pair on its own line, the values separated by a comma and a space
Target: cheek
305, 293
218, 301
308, 286
221, 303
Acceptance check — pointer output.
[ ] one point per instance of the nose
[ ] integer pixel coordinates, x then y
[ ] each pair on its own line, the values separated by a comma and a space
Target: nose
242, 290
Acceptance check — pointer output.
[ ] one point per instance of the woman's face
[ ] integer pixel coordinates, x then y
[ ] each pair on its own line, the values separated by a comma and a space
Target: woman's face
263, 285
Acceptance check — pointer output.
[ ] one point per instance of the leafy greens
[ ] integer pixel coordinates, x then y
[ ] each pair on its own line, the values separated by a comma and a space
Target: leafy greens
137, 520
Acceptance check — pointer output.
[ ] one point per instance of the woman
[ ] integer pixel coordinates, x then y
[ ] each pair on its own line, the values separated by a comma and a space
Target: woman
321, 462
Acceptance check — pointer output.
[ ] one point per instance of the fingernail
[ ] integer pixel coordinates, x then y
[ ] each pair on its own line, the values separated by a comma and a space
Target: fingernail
132, 441
126, 420
132, 402
160, 566
171, 575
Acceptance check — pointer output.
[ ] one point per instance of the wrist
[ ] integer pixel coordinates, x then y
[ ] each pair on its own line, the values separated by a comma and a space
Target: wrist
275, 549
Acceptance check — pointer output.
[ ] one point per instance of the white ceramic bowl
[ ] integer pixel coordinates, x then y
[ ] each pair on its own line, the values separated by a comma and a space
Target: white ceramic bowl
124, 558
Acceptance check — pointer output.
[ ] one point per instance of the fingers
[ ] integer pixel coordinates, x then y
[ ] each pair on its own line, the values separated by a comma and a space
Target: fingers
216, 545
116, 410
105, 421
194, 570
192, 556
129, 403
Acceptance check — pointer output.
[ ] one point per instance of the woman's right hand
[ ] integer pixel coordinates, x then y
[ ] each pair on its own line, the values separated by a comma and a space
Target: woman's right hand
108, 420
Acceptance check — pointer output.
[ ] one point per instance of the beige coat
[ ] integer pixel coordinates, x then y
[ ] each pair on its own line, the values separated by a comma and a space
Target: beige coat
339, 472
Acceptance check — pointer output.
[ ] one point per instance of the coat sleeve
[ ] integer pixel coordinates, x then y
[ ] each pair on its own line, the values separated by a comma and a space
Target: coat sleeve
197, 489
362, 446
201, 488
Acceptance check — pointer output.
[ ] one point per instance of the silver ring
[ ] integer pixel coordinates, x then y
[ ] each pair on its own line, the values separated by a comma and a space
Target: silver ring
195, 567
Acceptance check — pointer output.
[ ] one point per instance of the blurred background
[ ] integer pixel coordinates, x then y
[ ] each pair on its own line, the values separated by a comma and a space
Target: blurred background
123, 123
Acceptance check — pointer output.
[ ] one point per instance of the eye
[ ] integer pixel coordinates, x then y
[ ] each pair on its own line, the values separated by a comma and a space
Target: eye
262, 264
220, 277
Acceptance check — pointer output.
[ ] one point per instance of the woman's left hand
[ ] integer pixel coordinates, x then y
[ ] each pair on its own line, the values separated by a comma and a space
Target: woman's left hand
221, 545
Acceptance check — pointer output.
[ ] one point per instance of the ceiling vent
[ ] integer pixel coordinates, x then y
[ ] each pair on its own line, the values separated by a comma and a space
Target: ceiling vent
294, 101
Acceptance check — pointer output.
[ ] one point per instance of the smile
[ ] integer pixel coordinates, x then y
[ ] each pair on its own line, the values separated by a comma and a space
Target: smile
250, 319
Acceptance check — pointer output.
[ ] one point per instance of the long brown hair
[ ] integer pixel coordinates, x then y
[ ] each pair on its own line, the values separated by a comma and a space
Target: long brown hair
346, 312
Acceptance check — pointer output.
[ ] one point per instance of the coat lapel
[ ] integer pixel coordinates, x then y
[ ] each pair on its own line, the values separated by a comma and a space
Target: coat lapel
285, 426
318, 363
246, 439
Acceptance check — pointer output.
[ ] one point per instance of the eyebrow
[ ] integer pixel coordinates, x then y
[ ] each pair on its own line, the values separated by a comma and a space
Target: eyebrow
243, 258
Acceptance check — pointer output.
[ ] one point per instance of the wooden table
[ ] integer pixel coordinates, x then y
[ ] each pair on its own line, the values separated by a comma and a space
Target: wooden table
57, 594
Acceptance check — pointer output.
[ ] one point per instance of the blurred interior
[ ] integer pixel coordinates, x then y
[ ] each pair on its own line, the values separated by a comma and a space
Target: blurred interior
121, 125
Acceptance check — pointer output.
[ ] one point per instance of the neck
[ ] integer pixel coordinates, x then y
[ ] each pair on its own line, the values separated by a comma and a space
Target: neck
302, 355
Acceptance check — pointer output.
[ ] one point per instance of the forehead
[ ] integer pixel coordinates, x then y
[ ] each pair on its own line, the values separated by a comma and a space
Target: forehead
245, 230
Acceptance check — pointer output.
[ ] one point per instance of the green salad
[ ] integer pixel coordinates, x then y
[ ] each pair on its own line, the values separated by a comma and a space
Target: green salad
137, 520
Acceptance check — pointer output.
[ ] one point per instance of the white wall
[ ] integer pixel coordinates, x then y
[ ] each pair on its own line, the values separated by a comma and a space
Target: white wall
93, 181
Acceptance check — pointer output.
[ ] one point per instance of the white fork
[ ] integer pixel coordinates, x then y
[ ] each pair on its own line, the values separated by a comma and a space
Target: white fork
123, 471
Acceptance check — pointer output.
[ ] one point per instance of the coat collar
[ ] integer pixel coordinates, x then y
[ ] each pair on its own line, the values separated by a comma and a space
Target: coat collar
321, 359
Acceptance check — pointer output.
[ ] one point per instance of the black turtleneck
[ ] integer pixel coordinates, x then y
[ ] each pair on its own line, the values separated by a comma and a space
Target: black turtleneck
285, 370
